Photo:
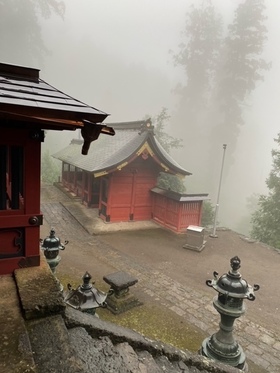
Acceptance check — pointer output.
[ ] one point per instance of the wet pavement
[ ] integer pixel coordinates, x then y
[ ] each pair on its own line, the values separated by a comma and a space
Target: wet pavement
155, 257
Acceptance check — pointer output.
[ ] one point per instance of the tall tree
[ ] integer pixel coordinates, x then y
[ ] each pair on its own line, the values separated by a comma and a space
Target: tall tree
221, 73
20, 30
198, 57
266, 219
241, 68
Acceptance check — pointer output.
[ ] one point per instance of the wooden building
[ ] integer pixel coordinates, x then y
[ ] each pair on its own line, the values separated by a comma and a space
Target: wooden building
118, 177
176, 211
28, 105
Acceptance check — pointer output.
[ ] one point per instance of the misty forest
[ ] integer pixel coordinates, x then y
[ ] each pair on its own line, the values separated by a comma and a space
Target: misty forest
206, 72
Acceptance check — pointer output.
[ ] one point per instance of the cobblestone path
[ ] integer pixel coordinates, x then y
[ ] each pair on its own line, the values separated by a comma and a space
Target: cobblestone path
261, 346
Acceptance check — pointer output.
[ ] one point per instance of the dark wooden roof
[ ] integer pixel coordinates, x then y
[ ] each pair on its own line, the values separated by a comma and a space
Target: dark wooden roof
26, 97
180, 197
130, 140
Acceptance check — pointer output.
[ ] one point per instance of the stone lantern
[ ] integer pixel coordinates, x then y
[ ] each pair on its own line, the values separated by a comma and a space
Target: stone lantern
86, 297
51, 246
232, 290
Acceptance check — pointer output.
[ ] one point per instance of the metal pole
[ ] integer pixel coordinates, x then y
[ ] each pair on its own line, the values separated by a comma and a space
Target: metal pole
213, 234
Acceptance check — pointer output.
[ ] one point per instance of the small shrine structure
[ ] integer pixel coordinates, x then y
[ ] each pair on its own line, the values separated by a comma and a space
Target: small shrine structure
28, 106
119, 177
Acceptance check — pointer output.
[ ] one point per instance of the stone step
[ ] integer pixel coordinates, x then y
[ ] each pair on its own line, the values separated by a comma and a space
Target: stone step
51, 346
107, 346
15, 350
152, 366
139, 364
100, 355
176, 366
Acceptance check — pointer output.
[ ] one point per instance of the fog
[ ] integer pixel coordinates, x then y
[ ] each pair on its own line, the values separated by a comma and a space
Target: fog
115, 56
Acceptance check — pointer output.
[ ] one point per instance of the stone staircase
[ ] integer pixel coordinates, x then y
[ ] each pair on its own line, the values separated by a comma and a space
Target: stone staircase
38, 334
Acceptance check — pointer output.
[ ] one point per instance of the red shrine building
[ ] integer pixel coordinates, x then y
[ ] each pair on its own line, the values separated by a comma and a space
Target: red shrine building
119, 178
28, 106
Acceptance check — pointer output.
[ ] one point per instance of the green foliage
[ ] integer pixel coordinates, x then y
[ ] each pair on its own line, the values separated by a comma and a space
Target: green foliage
244, 225
208, 213
50, 171
171, 182
167, 142
266, 219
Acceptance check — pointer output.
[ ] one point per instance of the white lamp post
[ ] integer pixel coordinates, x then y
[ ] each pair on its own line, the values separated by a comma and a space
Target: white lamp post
213, 234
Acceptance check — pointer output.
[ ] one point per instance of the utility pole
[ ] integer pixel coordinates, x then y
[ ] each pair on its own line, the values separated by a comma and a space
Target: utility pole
213, 234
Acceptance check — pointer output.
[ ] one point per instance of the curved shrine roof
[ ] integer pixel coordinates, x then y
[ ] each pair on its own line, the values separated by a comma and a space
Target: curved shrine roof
131, 139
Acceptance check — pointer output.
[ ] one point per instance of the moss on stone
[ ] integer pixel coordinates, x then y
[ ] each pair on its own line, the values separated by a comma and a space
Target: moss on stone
152, 320
158, 323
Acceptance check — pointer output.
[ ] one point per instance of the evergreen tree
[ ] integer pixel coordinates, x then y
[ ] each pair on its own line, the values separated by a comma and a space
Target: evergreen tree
208, 214
266, 219
20, 29
221, 73
50, 171
171, 182
241, 68
168, 142
198, 57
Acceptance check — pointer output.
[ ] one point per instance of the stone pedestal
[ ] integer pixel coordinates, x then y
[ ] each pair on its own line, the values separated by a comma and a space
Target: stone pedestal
222, 346
195, 238
232, 290
120, 299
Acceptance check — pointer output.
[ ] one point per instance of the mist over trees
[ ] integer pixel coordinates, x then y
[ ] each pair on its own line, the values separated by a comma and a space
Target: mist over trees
114, 56
241, 68
20, 28
198, 57
222, 69
173, 182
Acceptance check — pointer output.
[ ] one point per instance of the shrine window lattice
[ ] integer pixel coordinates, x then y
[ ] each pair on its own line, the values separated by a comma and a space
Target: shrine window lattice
11, 177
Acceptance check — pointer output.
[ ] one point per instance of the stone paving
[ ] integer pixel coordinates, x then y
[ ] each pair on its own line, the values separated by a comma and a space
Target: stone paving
261, 346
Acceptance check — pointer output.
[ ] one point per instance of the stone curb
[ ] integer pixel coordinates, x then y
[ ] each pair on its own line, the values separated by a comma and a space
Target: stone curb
15, 349
38, 291
97, 328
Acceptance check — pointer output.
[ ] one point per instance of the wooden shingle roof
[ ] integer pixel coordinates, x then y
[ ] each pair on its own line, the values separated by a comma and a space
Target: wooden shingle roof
131, 139
23, 93
179, 197
26, 100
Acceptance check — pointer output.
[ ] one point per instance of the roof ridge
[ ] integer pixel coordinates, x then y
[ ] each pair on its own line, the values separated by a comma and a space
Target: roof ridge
144, 124
19, 72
